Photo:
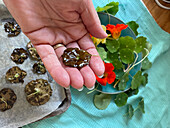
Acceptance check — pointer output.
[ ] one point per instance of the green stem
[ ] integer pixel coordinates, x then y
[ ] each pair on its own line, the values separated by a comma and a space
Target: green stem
108, 15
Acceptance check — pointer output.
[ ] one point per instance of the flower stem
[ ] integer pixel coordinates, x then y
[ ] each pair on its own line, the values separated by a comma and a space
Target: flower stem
116, 83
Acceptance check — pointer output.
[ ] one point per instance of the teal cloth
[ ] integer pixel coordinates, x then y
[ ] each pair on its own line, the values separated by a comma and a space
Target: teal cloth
83, 114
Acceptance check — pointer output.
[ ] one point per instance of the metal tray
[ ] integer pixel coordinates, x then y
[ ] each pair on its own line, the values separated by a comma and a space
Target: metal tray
5, 17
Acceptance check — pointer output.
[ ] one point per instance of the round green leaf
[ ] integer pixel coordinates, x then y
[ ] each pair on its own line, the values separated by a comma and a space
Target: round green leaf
121, 99
119, 73
144, 79
134, 26
111, 57
140, 44
136, 80
123, 81
117, 64
102, 52
127, 56
100, 9
114, 9
112, 45
102, 101
127, 42
146, 64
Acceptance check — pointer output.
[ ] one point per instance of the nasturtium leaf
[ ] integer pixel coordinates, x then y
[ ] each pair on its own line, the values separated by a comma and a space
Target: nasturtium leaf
148, 46
121, 99
114, 9
136, 80
130, 111
127, 42
102, 52
127, 56
135, 92
141, 106
131, 92
144, 79
123, 81
100, 9
111, 57
134, 26
119, 73
146, 64
140, 44
112, 45
102, 101
117, 64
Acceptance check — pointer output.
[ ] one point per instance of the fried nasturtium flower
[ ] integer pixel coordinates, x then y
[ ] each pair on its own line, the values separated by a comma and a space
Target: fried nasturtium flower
109, 76
97, 41
116, 30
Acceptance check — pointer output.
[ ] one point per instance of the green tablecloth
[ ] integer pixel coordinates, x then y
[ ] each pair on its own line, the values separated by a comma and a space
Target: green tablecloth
83, 114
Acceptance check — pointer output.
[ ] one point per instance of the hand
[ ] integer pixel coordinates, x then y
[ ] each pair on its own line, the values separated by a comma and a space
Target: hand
49, 22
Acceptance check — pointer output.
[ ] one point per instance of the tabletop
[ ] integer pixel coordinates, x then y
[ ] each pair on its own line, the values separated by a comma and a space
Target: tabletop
161, 16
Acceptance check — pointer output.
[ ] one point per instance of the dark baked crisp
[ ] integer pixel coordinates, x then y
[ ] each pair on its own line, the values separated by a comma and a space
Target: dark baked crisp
12, 28
19, 55
38, 92
39, 68
32, 51
15, 75
75, 57
7, 99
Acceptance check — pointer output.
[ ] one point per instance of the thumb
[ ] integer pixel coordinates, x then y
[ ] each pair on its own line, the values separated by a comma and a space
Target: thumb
91, 19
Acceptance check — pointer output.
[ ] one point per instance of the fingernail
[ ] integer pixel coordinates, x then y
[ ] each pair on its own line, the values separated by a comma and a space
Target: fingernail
80, 89
91, 88
100, 76
67, 87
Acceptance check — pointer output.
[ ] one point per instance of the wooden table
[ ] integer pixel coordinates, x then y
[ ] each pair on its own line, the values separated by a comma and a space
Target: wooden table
162, 16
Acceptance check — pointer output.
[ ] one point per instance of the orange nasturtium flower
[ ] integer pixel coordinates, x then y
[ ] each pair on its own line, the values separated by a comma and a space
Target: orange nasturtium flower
109, 76
97, 41
116, 30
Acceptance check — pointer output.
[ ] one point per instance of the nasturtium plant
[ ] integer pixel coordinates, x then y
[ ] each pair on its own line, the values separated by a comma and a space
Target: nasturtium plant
130, 111
123, 81
137, 80
146, 64
102, 52
126, 55
100, 9
117, 64
121, 99
122, 53
134, 26
111, 57
140, 44
112, 45
111, 8
114, 9
101, 101
127, 42
144, 79
141, 106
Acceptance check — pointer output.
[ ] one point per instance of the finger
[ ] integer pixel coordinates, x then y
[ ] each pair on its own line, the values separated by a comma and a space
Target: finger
53, 65
76, 79
87, 13
86, 72
96, 62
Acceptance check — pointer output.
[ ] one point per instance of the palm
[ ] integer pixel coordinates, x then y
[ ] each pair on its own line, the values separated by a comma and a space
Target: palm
49, 22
